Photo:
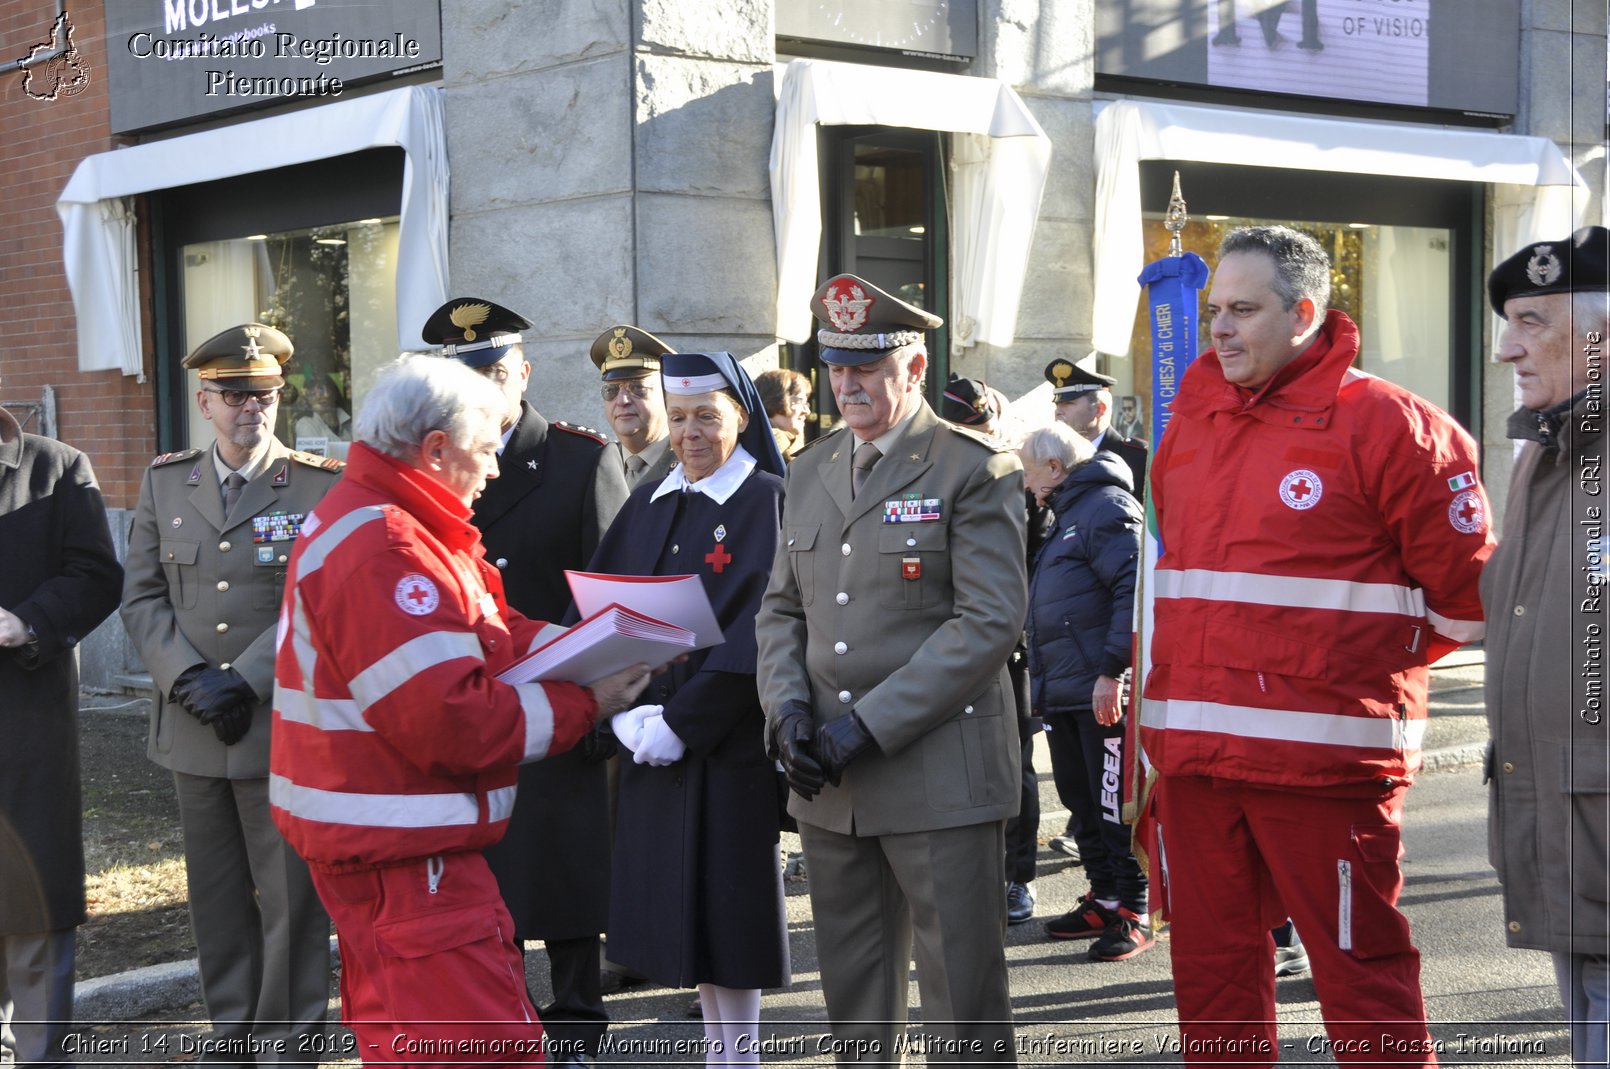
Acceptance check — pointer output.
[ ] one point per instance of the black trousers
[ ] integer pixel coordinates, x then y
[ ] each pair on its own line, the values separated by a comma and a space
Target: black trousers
576, 1015
1088, 764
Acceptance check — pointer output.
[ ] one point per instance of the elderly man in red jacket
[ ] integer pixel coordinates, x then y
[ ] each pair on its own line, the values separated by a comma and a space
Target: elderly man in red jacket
1323, 533
395, 746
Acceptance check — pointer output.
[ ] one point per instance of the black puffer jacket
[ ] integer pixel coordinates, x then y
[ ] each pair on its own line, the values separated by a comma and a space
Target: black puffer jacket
1082, 587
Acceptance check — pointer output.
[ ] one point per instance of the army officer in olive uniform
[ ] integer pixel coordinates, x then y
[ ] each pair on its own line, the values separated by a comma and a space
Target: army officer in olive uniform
556, 491
201, 596
628, 360
897, 595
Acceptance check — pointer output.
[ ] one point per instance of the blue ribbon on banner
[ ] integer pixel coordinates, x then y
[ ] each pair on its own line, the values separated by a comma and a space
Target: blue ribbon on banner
1172, 288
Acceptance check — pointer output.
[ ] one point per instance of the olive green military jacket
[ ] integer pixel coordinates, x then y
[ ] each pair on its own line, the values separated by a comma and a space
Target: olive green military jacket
903, 605
202, 588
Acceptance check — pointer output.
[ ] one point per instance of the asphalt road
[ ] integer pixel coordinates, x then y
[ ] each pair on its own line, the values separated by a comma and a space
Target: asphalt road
1488, 1004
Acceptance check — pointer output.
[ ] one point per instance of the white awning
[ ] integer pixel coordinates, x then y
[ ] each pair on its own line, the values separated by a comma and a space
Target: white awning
98, 246
1537, 194
1000, 160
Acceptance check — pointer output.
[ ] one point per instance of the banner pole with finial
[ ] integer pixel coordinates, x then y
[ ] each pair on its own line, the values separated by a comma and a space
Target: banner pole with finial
1177, 218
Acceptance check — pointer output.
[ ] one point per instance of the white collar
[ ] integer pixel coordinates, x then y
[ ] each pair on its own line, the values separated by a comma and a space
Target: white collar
718, 486
1096, 441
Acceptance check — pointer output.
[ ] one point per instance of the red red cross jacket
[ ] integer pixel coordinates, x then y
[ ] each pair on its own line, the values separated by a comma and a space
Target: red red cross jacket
1322, 541
392, 740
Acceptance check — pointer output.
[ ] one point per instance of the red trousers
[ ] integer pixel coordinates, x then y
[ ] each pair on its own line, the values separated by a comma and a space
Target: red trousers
1238, 860
430, 974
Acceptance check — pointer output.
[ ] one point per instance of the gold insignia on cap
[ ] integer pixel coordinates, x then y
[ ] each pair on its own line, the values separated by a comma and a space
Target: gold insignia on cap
1061, 372
620, 346
1544, 267
466, 316
980, 404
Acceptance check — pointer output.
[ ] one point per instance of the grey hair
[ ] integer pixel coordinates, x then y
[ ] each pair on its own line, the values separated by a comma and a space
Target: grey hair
1302, 268
1058, 442
416, 394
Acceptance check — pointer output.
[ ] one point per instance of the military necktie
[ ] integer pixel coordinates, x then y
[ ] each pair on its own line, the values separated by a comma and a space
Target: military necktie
634, 467
866, 455
234, 483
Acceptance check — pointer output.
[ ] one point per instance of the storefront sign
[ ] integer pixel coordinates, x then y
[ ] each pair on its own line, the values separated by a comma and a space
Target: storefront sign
1454, 55
946, 29
175, 60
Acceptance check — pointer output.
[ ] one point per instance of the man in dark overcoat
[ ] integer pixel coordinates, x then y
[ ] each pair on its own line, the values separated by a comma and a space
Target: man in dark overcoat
59, 578
554, 495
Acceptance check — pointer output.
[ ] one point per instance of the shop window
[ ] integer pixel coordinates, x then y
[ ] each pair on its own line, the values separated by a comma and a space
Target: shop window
309, 249
1402, 266
332, 289
1393, 281
884, 217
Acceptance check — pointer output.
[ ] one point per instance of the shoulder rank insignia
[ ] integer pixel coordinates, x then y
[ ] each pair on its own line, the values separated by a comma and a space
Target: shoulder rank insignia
580, 431
313, 460
174, 458
833, 434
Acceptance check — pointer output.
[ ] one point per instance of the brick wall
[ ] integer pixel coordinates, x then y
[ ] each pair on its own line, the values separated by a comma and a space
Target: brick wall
109, 416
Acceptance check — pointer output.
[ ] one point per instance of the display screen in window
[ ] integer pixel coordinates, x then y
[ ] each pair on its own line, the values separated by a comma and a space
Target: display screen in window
331, 289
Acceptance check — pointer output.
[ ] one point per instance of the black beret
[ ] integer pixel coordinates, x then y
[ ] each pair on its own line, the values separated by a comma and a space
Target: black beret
476, 332
965, 401
1573, 264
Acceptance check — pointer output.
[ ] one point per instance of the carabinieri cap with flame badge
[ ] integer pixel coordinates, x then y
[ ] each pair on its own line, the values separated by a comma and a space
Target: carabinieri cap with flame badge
1069, 381
247, 357
475, 332
863, 323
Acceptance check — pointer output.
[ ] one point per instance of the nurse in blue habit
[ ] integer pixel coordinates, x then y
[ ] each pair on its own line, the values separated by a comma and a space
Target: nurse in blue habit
697, 894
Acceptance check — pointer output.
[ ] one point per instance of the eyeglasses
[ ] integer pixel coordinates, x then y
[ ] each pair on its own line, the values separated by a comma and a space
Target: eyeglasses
639, 389
236, 398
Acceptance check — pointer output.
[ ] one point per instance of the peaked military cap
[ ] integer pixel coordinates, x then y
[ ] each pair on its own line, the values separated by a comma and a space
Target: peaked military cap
251, 351
627, 352
473, 331
965, 401
1069, 381
1572, 264
865, 324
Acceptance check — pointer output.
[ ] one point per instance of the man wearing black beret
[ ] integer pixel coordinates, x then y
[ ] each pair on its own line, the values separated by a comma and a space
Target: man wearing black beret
1543, 595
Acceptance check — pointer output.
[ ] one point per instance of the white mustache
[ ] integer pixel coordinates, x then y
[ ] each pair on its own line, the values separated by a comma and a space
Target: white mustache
860, 397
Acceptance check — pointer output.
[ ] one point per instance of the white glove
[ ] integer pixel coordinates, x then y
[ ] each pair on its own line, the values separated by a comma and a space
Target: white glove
659, 745
627, 727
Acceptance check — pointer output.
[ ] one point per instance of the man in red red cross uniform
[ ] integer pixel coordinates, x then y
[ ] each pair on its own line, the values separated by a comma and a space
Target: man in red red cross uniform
395, 747
1322, 535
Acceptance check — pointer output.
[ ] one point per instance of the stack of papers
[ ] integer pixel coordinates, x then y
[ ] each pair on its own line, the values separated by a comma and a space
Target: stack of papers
627, 620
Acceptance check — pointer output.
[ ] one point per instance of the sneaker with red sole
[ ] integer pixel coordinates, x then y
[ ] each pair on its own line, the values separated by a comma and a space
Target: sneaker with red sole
1125, 937
1086, 920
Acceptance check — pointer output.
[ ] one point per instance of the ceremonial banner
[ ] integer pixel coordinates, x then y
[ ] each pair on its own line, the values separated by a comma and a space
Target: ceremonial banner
1173, 287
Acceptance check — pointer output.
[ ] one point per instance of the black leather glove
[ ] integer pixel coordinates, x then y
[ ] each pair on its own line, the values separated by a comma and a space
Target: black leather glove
840, 742
212, 691
230, 724
792, 732
597, 745
180, 691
